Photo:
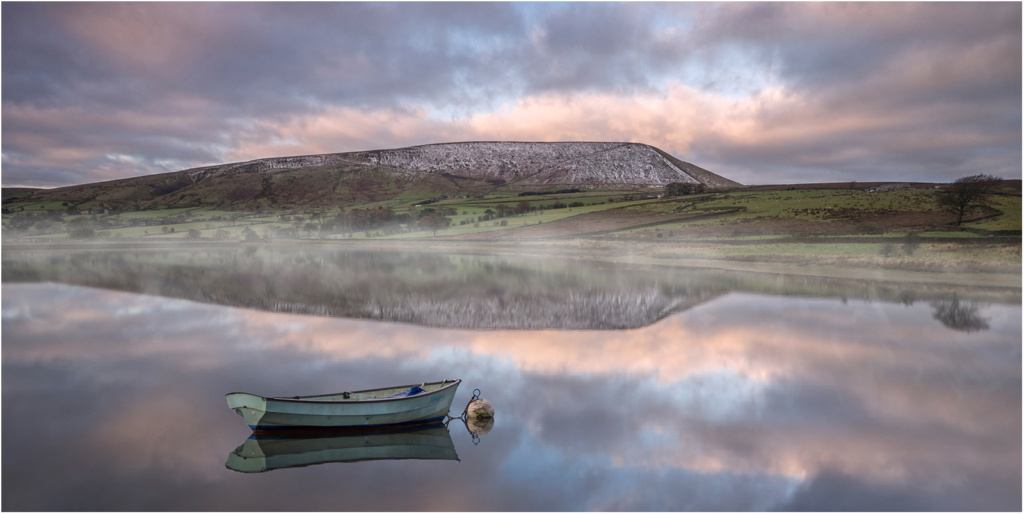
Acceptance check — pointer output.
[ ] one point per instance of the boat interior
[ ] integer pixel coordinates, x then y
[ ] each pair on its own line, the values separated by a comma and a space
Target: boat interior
386, 393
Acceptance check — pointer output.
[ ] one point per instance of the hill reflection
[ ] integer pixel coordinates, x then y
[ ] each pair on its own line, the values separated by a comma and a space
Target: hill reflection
474, 291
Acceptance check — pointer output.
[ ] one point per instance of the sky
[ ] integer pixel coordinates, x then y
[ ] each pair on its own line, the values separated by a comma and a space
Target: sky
761, 93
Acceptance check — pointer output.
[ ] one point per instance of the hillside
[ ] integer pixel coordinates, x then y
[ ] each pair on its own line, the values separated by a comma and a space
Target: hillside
471, 168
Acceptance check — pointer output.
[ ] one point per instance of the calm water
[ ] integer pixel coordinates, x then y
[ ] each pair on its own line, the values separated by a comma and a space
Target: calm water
721, 391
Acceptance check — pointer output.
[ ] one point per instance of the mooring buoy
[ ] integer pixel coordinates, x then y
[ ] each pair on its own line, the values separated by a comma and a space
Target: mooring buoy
480, 409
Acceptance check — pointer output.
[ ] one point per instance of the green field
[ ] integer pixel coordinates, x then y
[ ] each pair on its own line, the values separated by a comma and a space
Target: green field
854, 226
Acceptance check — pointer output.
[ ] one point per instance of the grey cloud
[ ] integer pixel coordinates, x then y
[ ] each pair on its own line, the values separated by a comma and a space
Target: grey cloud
949, 72
820, 44
214, 66
358, 54
364, 55
600, 47
195, 75
263, 55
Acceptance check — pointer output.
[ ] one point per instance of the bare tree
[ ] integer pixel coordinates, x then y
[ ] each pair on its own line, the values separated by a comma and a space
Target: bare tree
318, 216
502, 209
965, 192
522, 207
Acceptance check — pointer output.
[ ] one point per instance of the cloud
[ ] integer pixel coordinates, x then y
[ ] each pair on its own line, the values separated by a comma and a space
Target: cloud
778, 130
759, 92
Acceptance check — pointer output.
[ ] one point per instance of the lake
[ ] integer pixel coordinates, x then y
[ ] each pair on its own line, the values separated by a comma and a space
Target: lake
616, 386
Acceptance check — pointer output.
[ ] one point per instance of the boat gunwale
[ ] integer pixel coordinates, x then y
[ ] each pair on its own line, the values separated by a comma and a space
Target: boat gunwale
310, 399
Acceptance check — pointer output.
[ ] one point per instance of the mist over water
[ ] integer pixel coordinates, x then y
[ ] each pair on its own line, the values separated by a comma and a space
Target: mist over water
616, 387
533, 288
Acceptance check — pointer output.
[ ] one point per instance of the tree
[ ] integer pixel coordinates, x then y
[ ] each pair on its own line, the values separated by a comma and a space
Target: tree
319, 217
502, 210
522, 207
967, 192
193, 233
433, 221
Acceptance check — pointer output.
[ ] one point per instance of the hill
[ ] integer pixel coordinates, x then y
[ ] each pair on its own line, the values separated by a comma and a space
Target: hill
426, 171
18, 192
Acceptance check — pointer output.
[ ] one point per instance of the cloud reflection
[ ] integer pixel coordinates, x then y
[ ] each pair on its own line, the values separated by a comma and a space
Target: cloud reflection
768, 402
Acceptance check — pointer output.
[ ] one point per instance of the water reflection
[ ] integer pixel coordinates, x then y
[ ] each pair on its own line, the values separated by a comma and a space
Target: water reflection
746, 402
266, 453
479, 291
959, 316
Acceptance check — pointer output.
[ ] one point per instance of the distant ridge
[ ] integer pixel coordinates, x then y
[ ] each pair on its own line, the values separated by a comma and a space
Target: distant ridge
376, 175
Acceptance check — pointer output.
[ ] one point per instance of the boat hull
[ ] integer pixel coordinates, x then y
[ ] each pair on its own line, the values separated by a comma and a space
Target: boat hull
264, 415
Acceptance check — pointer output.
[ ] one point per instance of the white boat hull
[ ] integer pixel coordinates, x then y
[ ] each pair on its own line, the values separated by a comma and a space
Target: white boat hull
345, 410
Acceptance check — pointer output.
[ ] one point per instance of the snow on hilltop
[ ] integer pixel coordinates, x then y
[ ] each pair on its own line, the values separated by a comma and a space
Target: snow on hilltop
516, 164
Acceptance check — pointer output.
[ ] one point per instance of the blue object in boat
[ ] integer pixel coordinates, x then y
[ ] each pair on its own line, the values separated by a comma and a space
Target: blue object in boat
412, 391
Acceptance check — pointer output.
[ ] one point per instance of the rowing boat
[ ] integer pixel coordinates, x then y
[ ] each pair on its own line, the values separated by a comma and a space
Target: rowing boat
385, 407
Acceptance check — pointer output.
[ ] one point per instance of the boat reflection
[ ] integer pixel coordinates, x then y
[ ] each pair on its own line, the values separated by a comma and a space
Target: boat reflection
262, 453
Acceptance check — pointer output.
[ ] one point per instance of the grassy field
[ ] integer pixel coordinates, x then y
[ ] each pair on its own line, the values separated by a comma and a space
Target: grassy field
843, 226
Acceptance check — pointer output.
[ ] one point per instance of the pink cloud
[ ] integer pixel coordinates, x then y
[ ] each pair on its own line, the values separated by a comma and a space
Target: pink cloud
155, 39
672, 121
682, 121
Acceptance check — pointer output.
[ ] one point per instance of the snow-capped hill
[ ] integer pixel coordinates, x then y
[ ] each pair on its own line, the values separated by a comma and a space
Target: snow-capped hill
513, 164
419, 172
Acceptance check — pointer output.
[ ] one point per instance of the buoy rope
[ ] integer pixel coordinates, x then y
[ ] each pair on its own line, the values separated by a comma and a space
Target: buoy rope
475, 437
476, 396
